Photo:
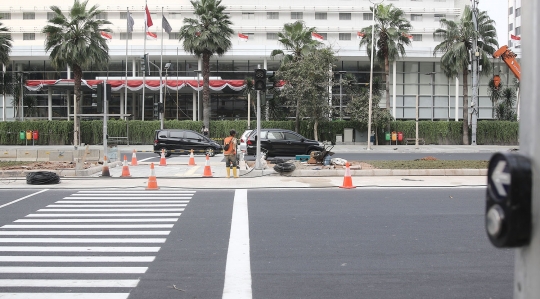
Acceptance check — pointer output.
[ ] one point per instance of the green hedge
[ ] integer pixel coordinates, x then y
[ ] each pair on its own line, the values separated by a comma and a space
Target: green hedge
142, 132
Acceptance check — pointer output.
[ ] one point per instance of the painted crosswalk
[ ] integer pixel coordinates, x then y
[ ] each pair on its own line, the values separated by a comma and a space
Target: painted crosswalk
104, 239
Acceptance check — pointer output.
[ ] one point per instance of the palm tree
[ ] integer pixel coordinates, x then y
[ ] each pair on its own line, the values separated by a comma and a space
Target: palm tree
391, 37
495, 93
505, 110
207, 34
297, 41
5, 44
456, 47
75, 40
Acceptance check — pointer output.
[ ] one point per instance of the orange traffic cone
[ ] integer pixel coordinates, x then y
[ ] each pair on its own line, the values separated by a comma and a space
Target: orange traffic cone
191, 159
134, 159
347, 180
105, 170
207, 171
162, 161
152, 182
125, 169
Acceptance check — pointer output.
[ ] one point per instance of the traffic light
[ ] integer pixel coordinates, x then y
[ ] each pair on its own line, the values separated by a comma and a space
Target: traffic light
270, 79
260, 79
158, 108
144, 62
508, 200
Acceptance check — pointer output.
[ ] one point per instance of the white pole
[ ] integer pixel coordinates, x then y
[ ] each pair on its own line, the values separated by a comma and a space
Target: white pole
249, 109
457, 100
416, 139
161, 114
126, 86
394, 88
371, 76
258, 151
3, 93
144, 53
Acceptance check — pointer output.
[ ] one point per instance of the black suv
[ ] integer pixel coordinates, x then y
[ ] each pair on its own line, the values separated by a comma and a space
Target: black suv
281, 142
176, 141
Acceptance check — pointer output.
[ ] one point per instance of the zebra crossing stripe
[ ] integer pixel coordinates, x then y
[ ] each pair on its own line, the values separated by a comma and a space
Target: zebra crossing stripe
121, 201
111, 210
82, 240
100, 220
107, 215
116, 205
69, 283
90, 226
74, 270
82, 232
64, 295
160, 192
81, 259
122, 197
76, 249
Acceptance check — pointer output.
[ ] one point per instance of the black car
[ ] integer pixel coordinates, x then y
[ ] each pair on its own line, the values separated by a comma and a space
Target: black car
281, 142
176, 141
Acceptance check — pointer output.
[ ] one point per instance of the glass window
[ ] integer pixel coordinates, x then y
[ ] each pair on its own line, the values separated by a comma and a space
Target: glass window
297, 15
175, 15
175, 134
29, 15
291, 136
101, 16
124, 35
50, 15
368, 16
248, 15
518, 11
438, 17
29, 36
272, 15
416, 17
174, 35
510, 26
438, 38
193, 135
5, 15
271, 35
417, 37
123, 15
344, 36
321, 15
510, 10
518, 30
275, 135
324, 35
344, 16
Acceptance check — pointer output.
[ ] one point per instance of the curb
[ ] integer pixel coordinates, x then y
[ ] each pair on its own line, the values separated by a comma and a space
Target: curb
60, 172
389, 172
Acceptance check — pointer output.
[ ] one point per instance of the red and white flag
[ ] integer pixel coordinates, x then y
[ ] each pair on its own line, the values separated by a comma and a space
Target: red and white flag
148, 22
360, 35
106, 35
151, 35
516, 40
243, 37
317, 37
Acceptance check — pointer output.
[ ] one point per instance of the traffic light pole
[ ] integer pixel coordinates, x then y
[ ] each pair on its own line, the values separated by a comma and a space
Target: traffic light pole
527, 258
258, 156
105, 117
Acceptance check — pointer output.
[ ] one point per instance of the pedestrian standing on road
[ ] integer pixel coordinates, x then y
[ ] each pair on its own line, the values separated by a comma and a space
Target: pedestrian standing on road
229, 150
204, 131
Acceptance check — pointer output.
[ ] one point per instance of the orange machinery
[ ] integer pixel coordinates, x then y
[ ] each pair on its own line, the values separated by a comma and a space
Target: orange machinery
509, 58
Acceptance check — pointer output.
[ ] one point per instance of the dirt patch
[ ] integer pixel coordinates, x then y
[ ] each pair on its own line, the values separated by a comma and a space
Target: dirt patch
44, 166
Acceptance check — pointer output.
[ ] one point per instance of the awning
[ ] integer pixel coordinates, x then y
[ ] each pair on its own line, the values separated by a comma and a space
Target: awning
134, 85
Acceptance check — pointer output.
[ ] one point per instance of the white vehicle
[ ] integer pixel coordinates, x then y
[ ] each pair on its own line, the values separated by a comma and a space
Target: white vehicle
243, 140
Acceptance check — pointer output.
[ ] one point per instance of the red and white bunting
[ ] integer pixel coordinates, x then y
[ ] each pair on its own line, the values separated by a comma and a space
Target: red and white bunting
317, 37
243, 37
360, 35
106, 35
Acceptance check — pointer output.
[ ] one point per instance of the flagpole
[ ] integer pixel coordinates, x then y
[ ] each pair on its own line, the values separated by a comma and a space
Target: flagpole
162, 115
144, 53
126, 87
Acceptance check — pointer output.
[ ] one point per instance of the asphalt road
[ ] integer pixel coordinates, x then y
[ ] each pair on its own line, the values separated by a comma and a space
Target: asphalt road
309, 243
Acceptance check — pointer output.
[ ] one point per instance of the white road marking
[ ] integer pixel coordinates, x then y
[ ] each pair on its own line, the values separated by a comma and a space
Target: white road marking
121, 201
76, 249
82, 240
82, 233
89, 226
69, 283
64, 295
76, 270
125, 197
161, 192
107, 215
81, 259
238, 269
101, 220
111, 210
24, 197
191, 171
116, 205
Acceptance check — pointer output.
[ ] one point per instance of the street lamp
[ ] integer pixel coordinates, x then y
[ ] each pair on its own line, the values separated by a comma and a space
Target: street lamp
432, 74
341, 94
375, 3
198, 104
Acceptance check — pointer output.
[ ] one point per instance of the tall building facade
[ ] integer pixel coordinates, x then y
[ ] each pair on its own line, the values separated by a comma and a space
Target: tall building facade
514, 23
418, 73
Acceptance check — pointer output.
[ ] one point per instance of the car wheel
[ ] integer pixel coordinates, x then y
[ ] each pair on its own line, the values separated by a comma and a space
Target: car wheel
168, 153
210, 151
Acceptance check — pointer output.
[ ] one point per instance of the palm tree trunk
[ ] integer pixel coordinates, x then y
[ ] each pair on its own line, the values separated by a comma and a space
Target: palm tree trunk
465, 107
387, 82
77, 74
297, 118
206, 89
315, 129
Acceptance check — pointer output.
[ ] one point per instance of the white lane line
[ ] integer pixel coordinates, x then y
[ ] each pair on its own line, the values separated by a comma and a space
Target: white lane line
117, 205
83, 232
238, 270
101, 220
75, 270
89, 226
107, 215
82, 240
24, 197
76, 249
190, 172
137, 192
111, 210
64, 295
81, 259
69, 283
126, 197
121, 201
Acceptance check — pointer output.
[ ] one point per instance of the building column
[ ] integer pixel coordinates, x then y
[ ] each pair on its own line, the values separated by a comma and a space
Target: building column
122, 105
457, 99
195, 108
68, 72
133, 66
133, 105
394, 88
49, 104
